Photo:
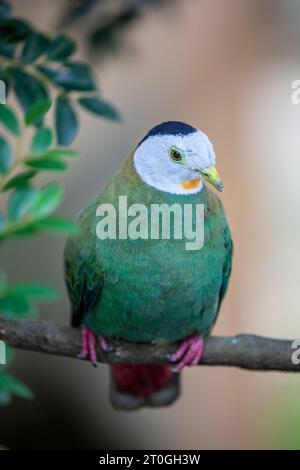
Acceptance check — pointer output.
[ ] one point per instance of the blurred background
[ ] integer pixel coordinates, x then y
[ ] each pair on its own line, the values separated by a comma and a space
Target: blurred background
226, 68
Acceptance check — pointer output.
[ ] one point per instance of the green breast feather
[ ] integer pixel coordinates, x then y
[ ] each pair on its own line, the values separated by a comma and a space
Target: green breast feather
147, 290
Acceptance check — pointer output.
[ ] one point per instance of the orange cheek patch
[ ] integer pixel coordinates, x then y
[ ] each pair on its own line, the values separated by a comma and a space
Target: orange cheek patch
190, 184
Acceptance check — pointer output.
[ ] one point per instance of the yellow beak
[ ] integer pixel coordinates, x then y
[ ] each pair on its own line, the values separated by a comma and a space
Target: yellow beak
212, 176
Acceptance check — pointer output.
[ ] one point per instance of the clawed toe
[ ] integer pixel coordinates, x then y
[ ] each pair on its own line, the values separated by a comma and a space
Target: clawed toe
189, 353
88, 349
170, 357
104, 345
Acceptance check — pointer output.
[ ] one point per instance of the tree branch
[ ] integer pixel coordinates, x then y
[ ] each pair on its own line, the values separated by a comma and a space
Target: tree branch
245, 351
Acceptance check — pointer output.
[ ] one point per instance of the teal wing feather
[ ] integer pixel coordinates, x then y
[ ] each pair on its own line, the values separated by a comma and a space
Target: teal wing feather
228, 244
83, 274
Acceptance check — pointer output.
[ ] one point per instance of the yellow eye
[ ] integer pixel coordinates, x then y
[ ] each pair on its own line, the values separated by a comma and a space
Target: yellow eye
175, 155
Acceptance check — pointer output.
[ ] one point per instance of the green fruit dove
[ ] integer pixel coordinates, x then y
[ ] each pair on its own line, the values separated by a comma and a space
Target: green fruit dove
151, 289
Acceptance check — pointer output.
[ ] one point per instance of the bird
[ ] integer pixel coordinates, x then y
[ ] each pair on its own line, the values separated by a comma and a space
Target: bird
145, 290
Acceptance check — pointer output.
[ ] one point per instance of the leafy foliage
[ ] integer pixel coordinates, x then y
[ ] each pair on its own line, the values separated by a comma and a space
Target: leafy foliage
20, 299
29, 206
36, 66
42, 74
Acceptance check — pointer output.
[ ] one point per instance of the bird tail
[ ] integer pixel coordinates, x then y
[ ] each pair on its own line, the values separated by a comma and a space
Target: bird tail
136, 386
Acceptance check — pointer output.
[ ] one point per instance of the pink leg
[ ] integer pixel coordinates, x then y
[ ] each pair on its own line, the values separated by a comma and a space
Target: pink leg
84, 343
92, 350
88, 345
189, 353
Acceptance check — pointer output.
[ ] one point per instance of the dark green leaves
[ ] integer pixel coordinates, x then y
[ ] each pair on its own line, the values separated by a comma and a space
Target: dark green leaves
100, 107
58, 224
13, 30
49, 72
62, 153
28, 88
41, 141
61, 48
51, 66
20, 299
46, 163
35, 45
52, 160
34, 67
75, 76
30, 210
7, 50
10, 386
20, 202
5, 155
33, 291
9, 119
37, 111
19, 180
33, 203
66, 123
46, 201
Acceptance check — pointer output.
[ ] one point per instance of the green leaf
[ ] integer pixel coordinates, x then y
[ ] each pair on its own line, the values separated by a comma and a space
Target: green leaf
33, 291
59, 224
20, 202
5, 155
12, 306
61, 48
35, 45
19, 180
76, 76
13, 30
66, 123
49, 164
41, 141
62, 153
37, 111
9, 119
14, 387
20, 299
47, 200
48, 71
7, 50
30, 228
28, 89
101, 108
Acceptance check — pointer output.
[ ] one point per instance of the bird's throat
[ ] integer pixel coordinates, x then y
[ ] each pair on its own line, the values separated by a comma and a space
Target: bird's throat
191, 184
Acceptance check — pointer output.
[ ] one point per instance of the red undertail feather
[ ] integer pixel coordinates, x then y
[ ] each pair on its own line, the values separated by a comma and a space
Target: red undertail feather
143, 385
141, 380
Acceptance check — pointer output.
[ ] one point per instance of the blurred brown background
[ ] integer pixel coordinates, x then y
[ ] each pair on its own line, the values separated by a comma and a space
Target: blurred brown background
227, 68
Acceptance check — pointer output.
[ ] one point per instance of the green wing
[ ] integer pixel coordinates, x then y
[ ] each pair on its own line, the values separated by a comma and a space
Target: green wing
83, 274
228, 244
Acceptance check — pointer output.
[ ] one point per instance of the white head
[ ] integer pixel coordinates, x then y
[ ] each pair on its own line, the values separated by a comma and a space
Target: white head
176, 157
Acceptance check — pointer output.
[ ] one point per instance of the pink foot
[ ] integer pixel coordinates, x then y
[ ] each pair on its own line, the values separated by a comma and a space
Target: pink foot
189, 353
88, 349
